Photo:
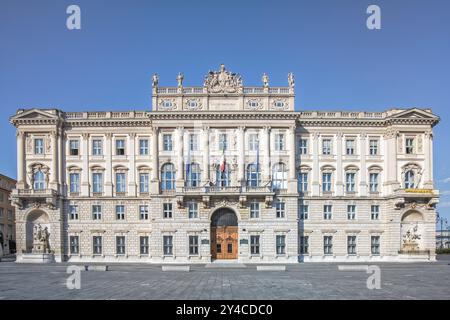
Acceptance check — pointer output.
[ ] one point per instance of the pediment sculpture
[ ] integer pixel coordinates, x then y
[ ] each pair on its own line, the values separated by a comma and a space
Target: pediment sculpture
223, 81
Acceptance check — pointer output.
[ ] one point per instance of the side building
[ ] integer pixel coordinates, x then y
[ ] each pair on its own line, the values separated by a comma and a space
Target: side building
7, 215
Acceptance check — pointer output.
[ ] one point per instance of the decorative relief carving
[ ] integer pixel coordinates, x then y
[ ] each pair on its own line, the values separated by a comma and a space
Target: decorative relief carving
223, 81
194, 104
168, 104
280, 104
254, 104
419, 143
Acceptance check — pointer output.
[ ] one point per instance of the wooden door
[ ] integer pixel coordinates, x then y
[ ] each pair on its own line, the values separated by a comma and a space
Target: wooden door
224, 242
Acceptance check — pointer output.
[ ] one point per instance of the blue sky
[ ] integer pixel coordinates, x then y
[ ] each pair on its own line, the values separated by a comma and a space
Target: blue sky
337, 61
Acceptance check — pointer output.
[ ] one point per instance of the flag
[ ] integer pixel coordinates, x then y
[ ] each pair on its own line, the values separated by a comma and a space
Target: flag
223, 162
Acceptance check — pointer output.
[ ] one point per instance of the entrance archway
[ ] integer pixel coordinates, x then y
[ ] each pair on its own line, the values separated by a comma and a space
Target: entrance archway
224, 234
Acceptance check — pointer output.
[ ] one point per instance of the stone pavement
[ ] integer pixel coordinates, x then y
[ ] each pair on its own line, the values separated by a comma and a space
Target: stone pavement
300, 281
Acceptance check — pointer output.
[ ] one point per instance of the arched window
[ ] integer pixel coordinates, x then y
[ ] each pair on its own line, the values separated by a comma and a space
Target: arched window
39, 180
279, 176
193, 176
409, 179
253, 175
223, 177
168, 177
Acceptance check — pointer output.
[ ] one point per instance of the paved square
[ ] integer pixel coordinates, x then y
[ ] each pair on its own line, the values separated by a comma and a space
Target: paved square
302, 281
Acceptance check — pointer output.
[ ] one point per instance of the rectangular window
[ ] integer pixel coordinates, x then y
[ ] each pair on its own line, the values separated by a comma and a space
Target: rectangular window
168, 245
74, 146
167, 210
351, 212
143, 182
281, 244
253, 142
254, 245
326, 182
120, 212
254, 209
193, 245
304, 211
351, 244
409, 145
120, 182
120, 147
143, 245
327, 211
279, 142
373, 147
143, 147
97, 147
375, 245
74, 182
304, 244
143, 212
326, 146
167, 142
97, 182
303, 182
193, 142
374, 212
97, 244
280, 208
328, 245
350, 182
39, 146
303, 146
96, 212
373, 182
10, 215
223, 142
74, 245
120, 245
73, 212
1, 217
350, 147
193, 210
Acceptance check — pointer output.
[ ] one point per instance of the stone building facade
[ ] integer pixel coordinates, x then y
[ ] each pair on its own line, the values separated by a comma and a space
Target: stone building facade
224, 171
7, 215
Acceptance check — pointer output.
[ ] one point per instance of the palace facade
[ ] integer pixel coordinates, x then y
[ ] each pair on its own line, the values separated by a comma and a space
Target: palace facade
224, 171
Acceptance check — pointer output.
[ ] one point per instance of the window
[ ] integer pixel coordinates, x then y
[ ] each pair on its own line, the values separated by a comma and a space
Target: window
409, 180
97, 244
96, 212
193, 175
1, 217
223, 142
74, 182
120, 212
143, 182
120, 147
97, 147
279, 142
73, 212
74, 146
350, 147
409, 145
167, 245
143, 212
375, 245
351, 212
350, 182
143, 245
373, 147
10, 215
303, 182
280, 209
193, 210
167, 142
120, 245
326, 146
304, 211
328, 245
120, 182
97, 182
303, 146
327, 212
74, 245
373, 182
326, 182
351, 244
279, 176
143, 147
253, 175
193, 245
304, 244
223, 178
167, 210
253, 142
39, 180
254, 245
374, 212
38, 146
168, 177
281, 244
254, 209
193, 142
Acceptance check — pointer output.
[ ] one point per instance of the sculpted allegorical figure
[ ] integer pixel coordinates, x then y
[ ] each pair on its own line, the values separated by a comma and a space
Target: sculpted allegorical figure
291, 80
155, 80
180, 79
265, 80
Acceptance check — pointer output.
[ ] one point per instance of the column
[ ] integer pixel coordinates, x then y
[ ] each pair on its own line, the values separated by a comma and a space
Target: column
61, 171
339, 169
205, 147
132, 171
21, 182
85, 171
315, 168
54, 174
241, 156
108, 169
155, 161
292, 179
391, 161
180, 169
428, 161
266, 155
363, 169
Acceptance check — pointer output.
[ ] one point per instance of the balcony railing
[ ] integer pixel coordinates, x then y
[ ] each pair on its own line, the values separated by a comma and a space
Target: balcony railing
228, 189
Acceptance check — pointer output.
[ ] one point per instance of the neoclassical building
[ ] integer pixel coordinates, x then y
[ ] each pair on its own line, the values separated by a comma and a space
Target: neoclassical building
225, 171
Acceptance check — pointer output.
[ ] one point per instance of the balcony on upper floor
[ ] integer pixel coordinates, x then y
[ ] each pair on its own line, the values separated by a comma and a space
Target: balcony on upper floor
36, 197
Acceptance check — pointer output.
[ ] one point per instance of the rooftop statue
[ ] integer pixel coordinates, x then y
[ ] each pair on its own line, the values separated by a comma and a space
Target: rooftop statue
222, 81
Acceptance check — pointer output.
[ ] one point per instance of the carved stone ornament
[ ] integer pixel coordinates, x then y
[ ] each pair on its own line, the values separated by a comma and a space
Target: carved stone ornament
223, 81
194, 104
168, 104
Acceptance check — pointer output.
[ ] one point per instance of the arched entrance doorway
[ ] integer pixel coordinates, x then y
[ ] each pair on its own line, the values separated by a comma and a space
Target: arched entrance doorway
224, 234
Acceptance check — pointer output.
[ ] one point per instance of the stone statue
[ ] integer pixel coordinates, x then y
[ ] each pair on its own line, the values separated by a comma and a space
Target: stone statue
265, 80
180, 79
291, 80
41, 238
418, 178
410, 239
155, 80
222, 81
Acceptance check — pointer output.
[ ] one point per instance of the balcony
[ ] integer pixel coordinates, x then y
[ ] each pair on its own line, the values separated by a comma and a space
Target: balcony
429, 197
237, 190
44, 197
